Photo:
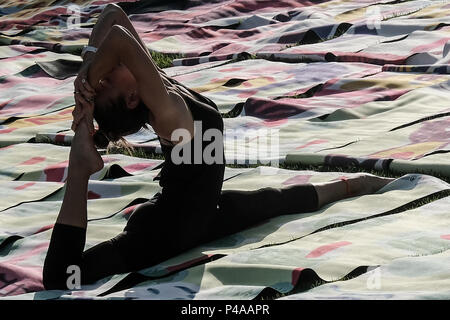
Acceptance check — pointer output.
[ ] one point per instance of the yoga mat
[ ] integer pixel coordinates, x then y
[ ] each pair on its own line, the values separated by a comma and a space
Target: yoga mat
28, 162
343, 125
336, 83
230, 84
412, 140
377, 38
16, 64
437, 163
32, 93
427, 279
16, 192
15, 51
104, 199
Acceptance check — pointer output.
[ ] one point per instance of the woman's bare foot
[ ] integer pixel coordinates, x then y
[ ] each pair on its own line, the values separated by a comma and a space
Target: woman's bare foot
355, 185
84, 157
364, 183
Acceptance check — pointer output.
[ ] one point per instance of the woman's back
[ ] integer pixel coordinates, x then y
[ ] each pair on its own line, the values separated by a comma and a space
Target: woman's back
197, 175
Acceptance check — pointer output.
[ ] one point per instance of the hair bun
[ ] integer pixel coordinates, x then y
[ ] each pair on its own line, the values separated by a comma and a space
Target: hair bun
100, 140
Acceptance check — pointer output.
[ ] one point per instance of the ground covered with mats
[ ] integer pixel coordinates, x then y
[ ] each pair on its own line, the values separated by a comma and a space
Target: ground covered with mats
310, 91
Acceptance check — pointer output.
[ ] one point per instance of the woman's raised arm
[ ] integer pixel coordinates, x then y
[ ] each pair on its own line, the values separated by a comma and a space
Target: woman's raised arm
112, 14
116, 15
120, 46
84, 93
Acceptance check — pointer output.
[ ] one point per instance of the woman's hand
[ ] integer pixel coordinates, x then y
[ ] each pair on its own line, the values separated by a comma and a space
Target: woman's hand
84, 99
84, 111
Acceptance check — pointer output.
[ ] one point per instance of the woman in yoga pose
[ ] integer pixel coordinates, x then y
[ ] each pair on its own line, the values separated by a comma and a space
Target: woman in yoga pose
121, 87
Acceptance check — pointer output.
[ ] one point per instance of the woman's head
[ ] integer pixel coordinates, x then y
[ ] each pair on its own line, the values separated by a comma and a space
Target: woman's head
118, 108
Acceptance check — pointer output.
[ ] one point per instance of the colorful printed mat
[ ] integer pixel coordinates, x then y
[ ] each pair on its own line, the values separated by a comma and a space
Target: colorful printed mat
337, 83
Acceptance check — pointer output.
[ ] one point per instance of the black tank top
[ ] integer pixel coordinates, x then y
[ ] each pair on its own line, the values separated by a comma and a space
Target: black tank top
200, 176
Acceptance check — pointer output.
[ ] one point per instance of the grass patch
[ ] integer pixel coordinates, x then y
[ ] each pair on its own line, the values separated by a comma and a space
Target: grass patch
233, 113
164, 60
354, 169
133, 152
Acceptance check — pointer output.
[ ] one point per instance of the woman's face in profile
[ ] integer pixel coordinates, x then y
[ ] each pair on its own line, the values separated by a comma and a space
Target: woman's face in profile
119, 82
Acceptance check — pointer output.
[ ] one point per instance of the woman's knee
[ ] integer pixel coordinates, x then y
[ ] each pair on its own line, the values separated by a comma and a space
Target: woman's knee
144, 216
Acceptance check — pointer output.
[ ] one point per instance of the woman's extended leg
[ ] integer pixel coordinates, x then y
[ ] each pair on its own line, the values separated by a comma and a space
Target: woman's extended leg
359, 185
69, 233
241, 209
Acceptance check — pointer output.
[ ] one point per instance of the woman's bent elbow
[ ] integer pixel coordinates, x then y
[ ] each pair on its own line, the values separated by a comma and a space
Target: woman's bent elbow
111, 7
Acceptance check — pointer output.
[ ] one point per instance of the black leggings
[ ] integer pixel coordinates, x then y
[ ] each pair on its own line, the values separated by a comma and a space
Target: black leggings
153, 234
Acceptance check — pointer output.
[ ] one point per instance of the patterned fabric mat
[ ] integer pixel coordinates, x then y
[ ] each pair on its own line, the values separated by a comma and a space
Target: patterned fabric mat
335, 83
